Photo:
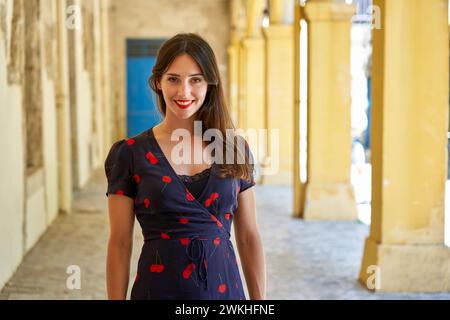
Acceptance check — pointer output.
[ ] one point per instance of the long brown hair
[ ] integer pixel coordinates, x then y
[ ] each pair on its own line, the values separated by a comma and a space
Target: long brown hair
214, 112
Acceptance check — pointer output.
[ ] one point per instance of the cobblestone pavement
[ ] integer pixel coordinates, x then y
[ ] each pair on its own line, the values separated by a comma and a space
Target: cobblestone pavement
305, 259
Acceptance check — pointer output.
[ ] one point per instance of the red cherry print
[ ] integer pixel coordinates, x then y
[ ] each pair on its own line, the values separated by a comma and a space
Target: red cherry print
217, 221
151, 157
120, 192
222, 288
130, 141
189, 196
188, 270
184, 220
167, 179
214, 196
146, 203
157, 268
217, 241
227, 216
137, 178
184, 241
236, 285
165, 235
208, 202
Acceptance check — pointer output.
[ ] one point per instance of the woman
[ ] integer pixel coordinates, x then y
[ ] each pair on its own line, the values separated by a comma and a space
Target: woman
185, 210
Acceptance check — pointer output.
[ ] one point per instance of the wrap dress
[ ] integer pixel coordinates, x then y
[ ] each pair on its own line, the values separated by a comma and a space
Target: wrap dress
187, 252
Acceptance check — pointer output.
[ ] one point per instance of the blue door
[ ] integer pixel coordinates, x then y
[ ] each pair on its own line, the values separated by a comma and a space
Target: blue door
142, 109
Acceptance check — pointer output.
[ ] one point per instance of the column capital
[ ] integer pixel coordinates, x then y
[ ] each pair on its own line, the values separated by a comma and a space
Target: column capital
328, 11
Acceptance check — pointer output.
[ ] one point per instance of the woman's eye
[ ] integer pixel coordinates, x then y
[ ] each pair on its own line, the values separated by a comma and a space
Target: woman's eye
172, 79
197, 80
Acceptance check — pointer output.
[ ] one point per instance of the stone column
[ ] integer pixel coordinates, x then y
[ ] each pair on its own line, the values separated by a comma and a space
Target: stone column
298, 186
329, 193
405, 250
251, 91
280, 92
63, 112
251, 69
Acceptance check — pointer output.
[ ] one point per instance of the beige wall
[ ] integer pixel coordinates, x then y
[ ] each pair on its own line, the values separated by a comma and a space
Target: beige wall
163, 19
30, 200
11, 168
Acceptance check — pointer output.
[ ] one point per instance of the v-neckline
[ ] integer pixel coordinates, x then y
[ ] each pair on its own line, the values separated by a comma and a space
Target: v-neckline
163, 156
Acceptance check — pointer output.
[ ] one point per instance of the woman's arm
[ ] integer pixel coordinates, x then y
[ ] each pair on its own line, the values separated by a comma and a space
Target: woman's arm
120, 245
249, 245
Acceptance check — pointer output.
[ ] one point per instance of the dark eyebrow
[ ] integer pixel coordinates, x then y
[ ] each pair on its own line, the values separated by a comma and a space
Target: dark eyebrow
191, 75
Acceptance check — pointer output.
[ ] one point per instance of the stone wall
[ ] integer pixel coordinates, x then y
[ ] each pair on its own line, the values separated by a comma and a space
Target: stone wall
39, 171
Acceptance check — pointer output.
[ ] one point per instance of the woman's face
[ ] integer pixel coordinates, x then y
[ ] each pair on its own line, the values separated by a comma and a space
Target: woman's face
184, 87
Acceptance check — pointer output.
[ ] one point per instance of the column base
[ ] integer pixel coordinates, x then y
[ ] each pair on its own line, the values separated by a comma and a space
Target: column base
405, 268
281, 179
330, 202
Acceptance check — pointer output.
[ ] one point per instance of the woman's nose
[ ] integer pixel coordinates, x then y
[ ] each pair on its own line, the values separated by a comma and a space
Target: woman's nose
185, 89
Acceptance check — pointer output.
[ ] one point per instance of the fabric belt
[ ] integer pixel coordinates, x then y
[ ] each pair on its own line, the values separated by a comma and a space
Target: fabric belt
196, 253
198, 258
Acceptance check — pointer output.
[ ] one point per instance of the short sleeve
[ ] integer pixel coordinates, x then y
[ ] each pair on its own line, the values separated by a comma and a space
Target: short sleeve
119, 170
244, 183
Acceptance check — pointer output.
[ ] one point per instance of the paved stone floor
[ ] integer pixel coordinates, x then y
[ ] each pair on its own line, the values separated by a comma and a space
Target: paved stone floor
305, 259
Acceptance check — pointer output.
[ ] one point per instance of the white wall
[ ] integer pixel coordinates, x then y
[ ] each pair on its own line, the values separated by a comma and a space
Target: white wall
11, 166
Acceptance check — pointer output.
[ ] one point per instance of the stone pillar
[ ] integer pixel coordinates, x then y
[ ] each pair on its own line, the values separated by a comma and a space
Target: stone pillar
251, 67
233, 80
298, 186
410, 88
237, 26
280, 92
106, 77
251, 104
329, 193
63, 112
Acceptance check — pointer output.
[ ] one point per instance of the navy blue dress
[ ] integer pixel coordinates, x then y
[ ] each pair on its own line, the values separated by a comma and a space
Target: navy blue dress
187, 251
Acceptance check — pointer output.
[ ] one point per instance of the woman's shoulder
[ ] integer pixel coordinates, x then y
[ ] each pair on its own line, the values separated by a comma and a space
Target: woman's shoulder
139, 138
130, 142
118, 151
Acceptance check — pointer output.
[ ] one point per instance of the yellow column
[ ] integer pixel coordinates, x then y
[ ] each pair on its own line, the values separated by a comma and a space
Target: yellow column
237, 26
280, 92
329, 193
251, 69
405, 250
63, 111
251, 89
233, 80
298, 186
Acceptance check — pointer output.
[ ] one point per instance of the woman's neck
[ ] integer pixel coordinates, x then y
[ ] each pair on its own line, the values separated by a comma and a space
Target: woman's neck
168, 126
